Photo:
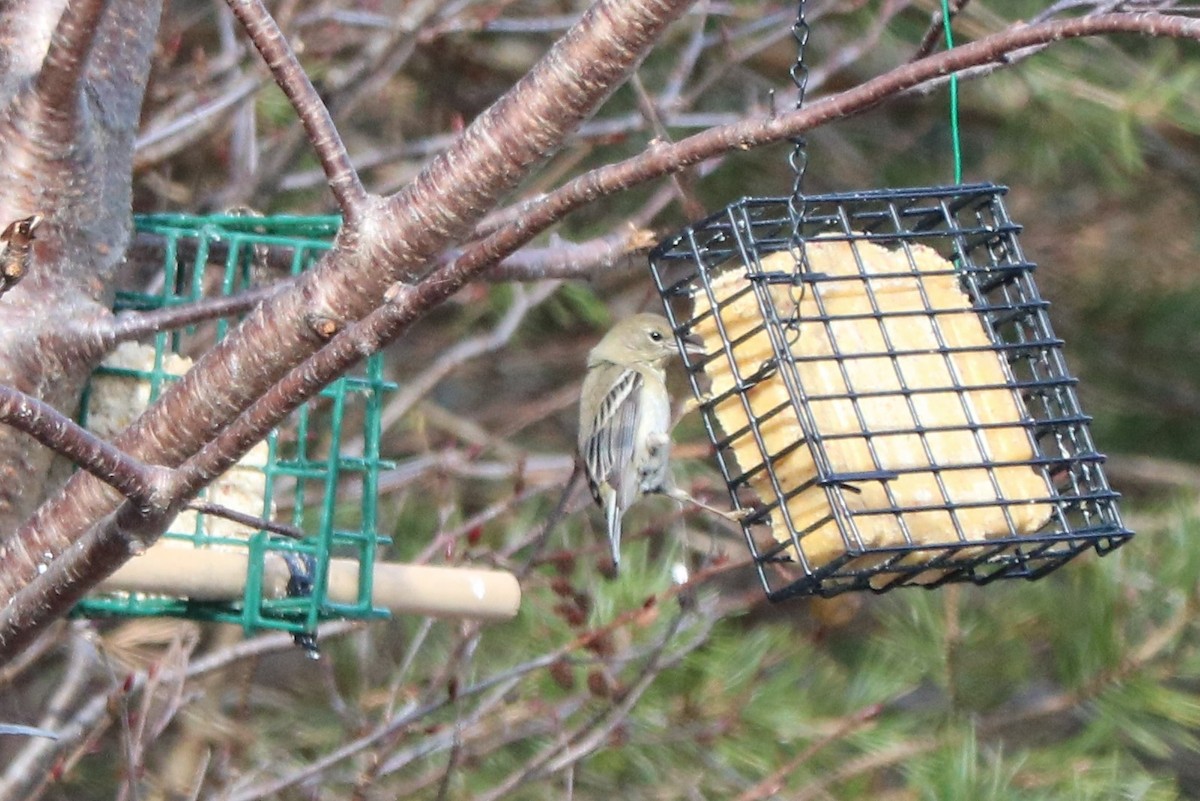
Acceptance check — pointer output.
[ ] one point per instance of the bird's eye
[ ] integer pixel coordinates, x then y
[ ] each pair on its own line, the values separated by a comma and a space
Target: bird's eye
656, 336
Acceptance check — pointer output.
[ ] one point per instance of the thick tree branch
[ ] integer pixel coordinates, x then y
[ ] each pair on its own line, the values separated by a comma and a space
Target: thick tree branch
537, 214
59, 84
25, 28
322, 134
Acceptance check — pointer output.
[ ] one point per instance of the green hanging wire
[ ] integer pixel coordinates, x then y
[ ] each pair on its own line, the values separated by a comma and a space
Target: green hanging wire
955, 140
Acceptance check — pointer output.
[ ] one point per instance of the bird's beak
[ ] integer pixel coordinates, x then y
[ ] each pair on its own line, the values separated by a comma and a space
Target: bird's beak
693, 345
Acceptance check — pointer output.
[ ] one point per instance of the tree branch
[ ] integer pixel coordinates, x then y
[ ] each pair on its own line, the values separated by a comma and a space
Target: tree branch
107, 543
131, 325
619, 250
326, 142
936, 30
28, 773
61, 434
59, 84
361, 80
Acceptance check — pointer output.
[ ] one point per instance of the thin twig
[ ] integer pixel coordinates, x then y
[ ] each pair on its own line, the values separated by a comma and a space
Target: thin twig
252, 521
501, 683
621, 250
84, 725
49, 641
358, 82
293, 80
773, 785
936, 29
684, 183
131, 325
165, 140
590, 735
28, 768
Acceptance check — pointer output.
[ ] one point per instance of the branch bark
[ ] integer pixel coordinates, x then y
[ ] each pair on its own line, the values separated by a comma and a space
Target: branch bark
61, 434
322, 134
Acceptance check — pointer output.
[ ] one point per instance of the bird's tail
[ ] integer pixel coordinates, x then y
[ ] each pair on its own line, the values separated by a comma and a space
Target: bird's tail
612, 515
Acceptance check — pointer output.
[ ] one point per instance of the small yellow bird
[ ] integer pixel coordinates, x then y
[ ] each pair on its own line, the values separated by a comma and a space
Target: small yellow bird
625, 418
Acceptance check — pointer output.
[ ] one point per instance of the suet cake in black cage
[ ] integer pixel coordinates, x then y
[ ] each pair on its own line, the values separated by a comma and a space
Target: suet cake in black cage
885, 392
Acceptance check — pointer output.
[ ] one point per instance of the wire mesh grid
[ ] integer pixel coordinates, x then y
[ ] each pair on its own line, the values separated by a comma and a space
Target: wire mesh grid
886, 396
300, 477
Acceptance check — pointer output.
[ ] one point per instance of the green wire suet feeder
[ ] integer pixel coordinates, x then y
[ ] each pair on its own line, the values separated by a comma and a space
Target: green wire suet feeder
886, 397
315, 558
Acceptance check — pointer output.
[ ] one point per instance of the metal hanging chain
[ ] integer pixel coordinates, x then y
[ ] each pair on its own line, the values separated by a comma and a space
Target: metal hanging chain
798, 160
799, 156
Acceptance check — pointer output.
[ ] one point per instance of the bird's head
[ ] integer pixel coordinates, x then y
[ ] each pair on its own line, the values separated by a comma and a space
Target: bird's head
640, 339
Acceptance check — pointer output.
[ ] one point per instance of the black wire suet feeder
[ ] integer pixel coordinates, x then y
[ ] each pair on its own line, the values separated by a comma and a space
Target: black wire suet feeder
884, 391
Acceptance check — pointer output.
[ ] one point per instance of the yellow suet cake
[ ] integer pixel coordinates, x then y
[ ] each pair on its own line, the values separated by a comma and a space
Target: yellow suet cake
888, 312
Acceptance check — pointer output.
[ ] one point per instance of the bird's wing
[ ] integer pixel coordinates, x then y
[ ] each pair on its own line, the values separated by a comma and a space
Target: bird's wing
610, 447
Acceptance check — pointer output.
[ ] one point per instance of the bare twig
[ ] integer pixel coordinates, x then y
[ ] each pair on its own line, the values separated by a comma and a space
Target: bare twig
29, 768
773, 785
139, 482
49, 641
683, 182
937, 29
500, 684
590, 735
40, 756
621, 250
252, 521
362, 80
322, 134
131, 325
167, 139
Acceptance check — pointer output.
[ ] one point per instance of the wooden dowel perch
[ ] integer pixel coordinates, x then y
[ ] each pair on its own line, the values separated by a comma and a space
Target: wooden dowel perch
214, 575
